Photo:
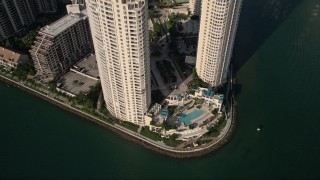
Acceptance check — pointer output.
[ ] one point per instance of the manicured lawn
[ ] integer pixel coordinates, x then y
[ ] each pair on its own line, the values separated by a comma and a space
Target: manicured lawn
151, 135
129, 126
216, 129
204, 141
197, 81
171, 141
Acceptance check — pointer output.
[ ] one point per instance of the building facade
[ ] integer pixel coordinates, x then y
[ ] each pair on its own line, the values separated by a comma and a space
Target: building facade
60, 45
11, 59
45, 6
14, 16
121, 40
76, 6
218, 25
195, 7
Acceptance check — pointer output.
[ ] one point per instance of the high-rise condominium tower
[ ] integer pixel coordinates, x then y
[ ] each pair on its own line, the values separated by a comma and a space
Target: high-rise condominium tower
121, 40
195, 7
219, 20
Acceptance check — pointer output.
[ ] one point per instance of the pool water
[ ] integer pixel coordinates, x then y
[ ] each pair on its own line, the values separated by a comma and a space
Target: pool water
188, 118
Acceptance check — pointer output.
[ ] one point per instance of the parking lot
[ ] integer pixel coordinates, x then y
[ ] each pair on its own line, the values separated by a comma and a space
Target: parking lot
81, 76
75, 83
88, 66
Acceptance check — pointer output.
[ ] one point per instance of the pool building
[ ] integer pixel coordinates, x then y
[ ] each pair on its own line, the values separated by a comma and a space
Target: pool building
210, 97
164, 114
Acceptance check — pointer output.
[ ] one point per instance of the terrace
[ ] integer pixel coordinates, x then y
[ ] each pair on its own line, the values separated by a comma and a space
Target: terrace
188, 115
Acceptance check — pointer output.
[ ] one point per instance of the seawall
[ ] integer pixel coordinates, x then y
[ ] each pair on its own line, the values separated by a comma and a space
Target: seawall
130, 136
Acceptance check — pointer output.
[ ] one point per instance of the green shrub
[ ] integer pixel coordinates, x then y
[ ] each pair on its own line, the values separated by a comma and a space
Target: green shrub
215, 111
197, 81
151, 135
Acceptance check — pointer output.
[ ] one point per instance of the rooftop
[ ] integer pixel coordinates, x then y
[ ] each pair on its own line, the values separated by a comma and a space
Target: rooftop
164, 113
156, 107
89, 63
190, 60
78, 1
8, 54
75, 83
63, 23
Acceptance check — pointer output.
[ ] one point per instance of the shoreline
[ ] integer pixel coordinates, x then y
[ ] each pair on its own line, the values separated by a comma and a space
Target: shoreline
133, 137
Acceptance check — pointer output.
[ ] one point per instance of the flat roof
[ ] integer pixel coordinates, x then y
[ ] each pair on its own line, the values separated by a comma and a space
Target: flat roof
63, 23
77, 1
76, 83
8, 54
90, 64
164, 113
190, 60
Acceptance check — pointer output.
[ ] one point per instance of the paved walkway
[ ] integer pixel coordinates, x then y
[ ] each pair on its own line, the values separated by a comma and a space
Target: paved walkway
161, 85
139, 130
99, 102
153, 60
124, 130
184, 85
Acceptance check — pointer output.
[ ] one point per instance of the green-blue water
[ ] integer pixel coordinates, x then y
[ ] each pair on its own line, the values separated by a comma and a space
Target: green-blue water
277, 57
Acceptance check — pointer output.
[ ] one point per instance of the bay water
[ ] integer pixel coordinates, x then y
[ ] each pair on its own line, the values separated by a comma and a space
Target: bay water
277, 61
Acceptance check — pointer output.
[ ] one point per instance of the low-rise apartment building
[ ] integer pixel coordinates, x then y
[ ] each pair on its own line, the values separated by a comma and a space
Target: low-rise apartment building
60, 45
11, 59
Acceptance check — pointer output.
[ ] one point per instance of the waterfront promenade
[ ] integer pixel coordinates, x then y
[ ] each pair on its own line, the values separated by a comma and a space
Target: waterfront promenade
157, 146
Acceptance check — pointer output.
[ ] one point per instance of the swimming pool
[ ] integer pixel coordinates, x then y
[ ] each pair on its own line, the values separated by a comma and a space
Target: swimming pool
188, 118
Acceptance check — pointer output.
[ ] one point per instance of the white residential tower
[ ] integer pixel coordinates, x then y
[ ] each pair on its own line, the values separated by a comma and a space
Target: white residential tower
121, 40
218, 25
195, 7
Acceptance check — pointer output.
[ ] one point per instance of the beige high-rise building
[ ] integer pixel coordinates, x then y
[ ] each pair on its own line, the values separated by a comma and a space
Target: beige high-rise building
121, 40
218, 25
195, 7
76, 6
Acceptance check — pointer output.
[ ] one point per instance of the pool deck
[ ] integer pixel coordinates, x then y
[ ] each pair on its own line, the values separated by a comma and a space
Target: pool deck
201, 118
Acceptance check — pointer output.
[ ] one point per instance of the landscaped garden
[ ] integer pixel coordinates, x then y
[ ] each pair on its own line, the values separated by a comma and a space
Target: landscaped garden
197, 81
216, 129
166, 71
149, 134
129, 125
171, 141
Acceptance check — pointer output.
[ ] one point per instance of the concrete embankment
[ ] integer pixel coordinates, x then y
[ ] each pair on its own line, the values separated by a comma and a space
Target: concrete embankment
188, 153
